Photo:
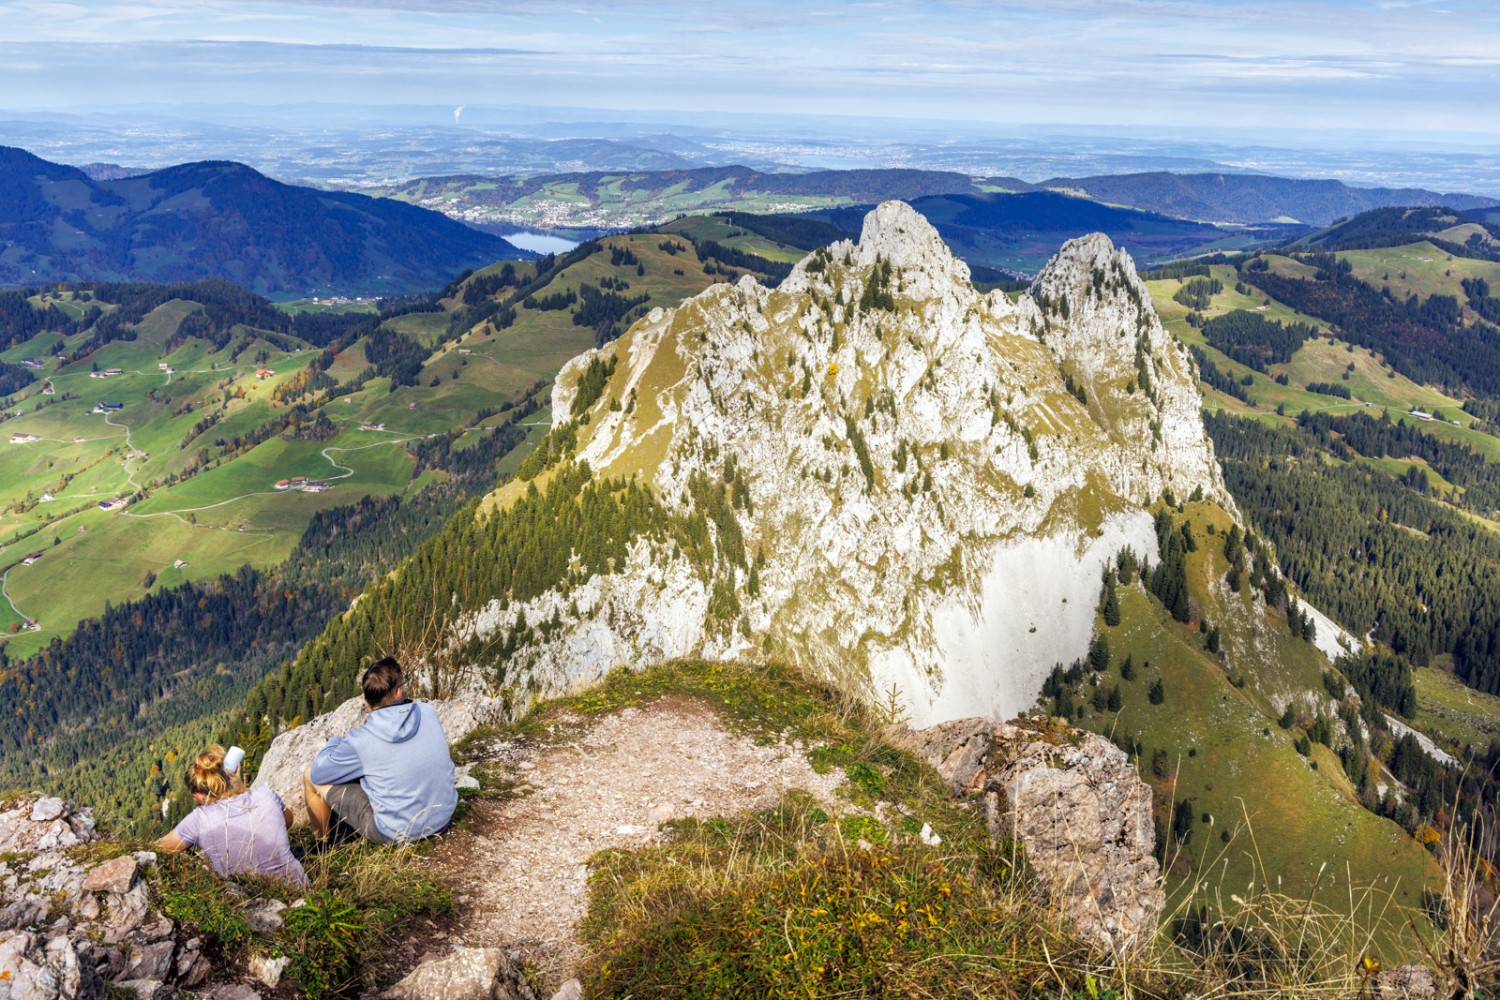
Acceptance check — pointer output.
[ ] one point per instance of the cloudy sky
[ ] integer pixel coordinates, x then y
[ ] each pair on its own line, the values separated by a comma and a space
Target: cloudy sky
1389, 65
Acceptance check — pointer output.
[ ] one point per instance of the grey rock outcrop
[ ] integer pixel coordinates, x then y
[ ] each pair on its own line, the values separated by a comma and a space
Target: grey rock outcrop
71, 929
43, 825
1074, 802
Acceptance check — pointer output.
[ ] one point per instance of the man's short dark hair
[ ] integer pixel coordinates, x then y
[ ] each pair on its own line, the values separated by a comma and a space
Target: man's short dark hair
381, 681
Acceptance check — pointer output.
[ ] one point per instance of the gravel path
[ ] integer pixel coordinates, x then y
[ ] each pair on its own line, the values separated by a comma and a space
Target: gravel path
520, 865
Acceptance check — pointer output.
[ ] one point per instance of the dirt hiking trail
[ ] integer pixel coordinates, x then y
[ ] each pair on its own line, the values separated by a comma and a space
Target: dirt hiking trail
519, 864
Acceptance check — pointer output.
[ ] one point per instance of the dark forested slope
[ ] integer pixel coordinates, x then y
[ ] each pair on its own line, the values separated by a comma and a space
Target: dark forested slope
217, 219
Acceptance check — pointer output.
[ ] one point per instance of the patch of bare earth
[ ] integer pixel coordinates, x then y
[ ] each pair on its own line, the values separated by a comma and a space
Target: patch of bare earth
519, 865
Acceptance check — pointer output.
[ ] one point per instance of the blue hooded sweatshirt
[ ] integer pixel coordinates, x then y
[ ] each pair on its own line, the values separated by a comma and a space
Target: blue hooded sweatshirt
400, 758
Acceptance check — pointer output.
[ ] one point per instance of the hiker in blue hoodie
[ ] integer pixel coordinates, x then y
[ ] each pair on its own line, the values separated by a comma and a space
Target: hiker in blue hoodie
391, 779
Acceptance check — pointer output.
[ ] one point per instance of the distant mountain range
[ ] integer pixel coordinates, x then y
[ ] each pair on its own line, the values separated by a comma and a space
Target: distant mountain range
1251, 198
604, 199
221, 219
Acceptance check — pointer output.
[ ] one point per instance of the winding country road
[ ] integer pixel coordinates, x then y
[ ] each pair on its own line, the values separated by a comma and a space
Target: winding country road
5, 579
345, 474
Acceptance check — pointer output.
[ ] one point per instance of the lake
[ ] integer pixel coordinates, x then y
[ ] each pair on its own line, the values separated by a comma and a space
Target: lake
540, 242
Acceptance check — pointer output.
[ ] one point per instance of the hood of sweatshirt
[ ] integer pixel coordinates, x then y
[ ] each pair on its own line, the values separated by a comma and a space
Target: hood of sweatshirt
395, 723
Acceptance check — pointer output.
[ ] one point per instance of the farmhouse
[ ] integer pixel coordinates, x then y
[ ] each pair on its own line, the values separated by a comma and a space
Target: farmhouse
264, 373
315, 486
368, 426
179, 564
113, 406
33, 557
298, 480
116, 503
23, 438
31, 362
282, 484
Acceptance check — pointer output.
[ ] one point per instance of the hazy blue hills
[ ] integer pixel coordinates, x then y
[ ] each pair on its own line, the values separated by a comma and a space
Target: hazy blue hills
1252, 198
612, 198
222, 219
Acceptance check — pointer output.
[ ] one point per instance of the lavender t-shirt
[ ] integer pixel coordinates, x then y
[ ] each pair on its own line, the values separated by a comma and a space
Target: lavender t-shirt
244, 834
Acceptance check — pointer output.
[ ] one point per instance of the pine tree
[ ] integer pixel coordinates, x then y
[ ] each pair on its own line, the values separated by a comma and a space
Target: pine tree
1111, 601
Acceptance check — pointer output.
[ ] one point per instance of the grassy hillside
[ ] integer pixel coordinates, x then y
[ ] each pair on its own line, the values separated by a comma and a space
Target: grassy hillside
1260, 810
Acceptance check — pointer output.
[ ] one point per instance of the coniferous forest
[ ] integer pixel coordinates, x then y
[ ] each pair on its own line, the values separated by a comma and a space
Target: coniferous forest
1368, 549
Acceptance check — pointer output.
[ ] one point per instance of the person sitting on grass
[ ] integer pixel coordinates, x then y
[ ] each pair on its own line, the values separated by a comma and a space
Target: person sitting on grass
391, 779
241, 831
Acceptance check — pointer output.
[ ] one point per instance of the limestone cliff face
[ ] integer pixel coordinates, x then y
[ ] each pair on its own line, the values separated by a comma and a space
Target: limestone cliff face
930, 480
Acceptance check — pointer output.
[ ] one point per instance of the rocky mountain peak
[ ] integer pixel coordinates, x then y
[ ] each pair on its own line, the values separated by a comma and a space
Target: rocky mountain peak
896, 232
928, 480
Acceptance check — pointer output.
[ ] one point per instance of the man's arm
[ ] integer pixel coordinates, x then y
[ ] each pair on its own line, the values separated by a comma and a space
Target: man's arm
337, 763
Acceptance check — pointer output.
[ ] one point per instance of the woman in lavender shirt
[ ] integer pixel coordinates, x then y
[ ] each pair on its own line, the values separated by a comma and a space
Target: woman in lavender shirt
241, 831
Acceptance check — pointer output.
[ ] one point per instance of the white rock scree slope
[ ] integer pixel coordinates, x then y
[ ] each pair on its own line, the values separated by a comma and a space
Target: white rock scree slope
936, 478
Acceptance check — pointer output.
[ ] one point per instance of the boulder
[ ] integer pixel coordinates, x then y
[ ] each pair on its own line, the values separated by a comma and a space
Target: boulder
1075, 804
466, 974
114, 875
267, 969
264, 915
234, 991
46, 810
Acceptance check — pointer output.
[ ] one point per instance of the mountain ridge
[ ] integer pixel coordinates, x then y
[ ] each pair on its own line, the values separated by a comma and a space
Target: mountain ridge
1006, 462
222, 219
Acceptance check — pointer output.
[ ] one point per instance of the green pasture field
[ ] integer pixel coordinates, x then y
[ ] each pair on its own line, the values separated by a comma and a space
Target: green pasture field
717, 229
1371, 382
1419, 268
1400, 466
424, 328
216, 522
1454, 713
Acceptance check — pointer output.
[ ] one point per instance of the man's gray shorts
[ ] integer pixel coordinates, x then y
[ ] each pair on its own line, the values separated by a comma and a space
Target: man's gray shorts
351, 804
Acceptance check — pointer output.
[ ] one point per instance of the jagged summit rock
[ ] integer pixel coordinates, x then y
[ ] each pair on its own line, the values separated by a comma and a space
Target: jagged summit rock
926, 480
897, 233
